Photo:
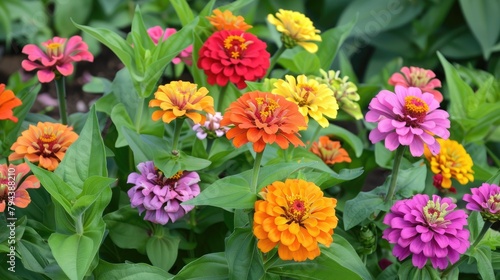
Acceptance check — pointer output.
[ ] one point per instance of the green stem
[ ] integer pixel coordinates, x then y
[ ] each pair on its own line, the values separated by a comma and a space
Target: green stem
313, 138
61, 98
486, 226
138, 115
192, 225
220, 101
274, 59
177, 133
395, 170
256, 169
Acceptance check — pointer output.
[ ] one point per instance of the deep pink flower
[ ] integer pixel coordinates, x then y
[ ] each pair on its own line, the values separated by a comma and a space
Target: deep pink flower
160, 196
486, 200
57, 58
211, 127
156, 33
427, 230
407, 117
418, 77
233, 56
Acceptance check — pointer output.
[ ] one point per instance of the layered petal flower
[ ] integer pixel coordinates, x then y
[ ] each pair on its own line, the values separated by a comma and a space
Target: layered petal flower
156, 34
263, 118
427, 230
211, 127
227, 21
46, 143
295, 216
160, 197
8, 101
424, 79
14, 183
486, 200
233, 56
330, 151
408, 117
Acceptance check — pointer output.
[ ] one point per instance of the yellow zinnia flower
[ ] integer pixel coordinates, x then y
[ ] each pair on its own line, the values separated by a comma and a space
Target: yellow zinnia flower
295, 216
453, 161
179, 99
296, 29
227, 21
314, 99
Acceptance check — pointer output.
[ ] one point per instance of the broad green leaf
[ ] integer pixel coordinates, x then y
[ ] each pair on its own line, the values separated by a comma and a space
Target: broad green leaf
332, 39
338, 132
145, 147
409, 181
184, 12
300, 61
364, 205
127, 229
86, 156
128, 271
162, 249
208, 267
92, 190
171, 164
67, 11
243, 258
121, 119
97, 85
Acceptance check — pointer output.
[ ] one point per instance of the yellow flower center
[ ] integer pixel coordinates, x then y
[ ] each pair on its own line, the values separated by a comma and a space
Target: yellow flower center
266, 107
419, 78
48, 138
54, 49
176, 176
54, 46
494, 202
234, 45
416, 108
305, 91
435, 212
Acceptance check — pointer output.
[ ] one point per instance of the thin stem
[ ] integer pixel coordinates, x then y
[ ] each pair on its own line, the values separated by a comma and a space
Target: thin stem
315, 135
138, 115
220, 101
192, 225
395, 170
256, 169
61, 98
274, 59
177, 133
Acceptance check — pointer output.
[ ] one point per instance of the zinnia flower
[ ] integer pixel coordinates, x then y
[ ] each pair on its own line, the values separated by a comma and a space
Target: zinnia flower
330, 151
156, 33
227, 21
486, 200
263, 118
57, 58
418, 77
408, 117
14, 184
314, 99
452, 161
427, 230
159, 196
181, 99
295, 216
296, 29
211, 127
8, 101
45, 143
233, 56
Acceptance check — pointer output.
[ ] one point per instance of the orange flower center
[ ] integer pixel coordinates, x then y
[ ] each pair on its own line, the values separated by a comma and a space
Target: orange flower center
235, 45
47, 144
416, 108
266, 108
47, 138
177, 175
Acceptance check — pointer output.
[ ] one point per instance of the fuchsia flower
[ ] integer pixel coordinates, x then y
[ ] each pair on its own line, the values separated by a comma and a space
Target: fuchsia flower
160, 196
211, 127
418, 77
156, 33
57, 58
427, 230
407, 117
486, 200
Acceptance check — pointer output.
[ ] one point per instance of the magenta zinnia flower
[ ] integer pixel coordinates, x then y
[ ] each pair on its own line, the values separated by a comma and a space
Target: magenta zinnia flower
57, 58
408, 117
160, 196
427, 230
211, 127
486, 200
156, 33
418, 77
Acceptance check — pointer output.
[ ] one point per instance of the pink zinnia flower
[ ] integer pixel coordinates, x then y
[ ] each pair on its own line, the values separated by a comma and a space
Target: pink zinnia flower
485, 199
160, 196
233, 56
408, 117
156, 33
57, 58
427, 230
418, 77
14, 184
211, 127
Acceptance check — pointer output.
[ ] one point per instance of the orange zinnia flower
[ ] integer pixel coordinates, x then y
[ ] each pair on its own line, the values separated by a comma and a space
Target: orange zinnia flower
263, 117
227, 21
295, 216
179, 99
7, 102
45, 143
330, 151
12, 191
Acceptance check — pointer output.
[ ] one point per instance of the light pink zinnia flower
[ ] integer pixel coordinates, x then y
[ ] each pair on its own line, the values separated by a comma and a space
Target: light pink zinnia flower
486, 200
57, 58
160, 196
156, 33
427, 230
211, 127
408, 117
418, 77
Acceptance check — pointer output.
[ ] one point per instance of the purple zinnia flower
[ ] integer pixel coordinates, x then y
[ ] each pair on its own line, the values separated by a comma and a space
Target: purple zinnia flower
407, 117
211, 127
427, 229
160, 196
485, 199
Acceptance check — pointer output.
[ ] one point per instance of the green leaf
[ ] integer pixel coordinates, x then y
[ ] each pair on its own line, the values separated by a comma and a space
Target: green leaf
128, 271
92, 191
300, 61
408, 271
162, 249
409, 181
242, 257
68, 11
363, 206
208, 267
127, 229
482, 18
183, 11
86, 156
332, 39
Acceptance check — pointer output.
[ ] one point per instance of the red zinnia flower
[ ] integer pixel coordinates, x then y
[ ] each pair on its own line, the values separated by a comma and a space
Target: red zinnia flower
233, 55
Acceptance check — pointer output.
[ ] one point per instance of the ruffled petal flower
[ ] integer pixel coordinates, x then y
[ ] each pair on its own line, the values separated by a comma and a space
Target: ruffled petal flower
485, 200
14, 183
8, 101
418, 77
227, 21
330, 151
211, 127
